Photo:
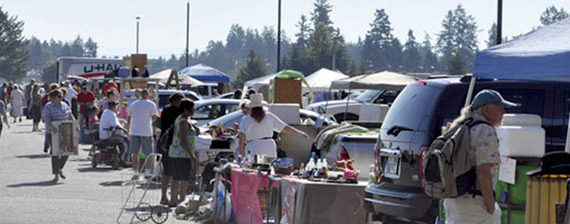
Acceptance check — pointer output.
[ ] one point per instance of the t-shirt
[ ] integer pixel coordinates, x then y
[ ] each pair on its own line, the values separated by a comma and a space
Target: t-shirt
485, 142
142, 112
17, 95
108, 120
254, 130
85, 97
70, 94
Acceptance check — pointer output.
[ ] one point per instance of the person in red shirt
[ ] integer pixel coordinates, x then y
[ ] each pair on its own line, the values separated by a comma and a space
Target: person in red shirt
111, 85
86, 99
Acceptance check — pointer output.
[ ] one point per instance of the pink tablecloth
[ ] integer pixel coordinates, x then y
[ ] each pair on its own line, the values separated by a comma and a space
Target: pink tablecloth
245, 201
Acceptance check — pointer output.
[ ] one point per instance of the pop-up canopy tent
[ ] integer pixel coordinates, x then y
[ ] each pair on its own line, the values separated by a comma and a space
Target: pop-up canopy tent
322, 79
205, 74
543, 54
381, 80
258, 82
170, 74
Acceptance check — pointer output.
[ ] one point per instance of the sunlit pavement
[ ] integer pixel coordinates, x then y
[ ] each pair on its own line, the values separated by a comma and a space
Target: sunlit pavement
88, 195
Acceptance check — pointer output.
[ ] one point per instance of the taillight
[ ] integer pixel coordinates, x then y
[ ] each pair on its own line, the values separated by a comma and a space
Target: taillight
423, 153
377, 171
422, 82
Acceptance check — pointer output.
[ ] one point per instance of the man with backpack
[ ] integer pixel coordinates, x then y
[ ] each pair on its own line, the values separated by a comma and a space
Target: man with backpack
461, 166
167, 118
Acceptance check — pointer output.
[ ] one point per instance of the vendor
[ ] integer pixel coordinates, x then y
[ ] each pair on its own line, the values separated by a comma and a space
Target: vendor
256, 130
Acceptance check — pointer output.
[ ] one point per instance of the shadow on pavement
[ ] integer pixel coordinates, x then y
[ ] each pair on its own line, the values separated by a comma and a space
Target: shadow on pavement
34, 156
91, 169
117, 183
22, 132
46, 183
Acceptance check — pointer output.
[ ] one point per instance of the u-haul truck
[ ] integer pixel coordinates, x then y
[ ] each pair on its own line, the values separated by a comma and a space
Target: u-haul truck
85, 67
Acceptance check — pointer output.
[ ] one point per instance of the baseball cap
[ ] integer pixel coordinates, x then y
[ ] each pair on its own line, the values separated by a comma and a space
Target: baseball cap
488, 96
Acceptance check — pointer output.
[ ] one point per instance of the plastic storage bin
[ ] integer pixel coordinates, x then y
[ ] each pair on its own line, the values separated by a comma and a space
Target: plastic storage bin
520, 141
530, 120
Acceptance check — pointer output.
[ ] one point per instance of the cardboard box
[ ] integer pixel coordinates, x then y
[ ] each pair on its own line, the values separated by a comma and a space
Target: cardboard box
287, 91
139, 60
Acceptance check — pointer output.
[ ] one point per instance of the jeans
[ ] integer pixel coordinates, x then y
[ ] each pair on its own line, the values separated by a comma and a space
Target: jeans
57, 162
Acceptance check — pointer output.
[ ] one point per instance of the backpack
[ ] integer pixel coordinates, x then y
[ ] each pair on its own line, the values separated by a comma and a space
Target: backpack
448, 166
165, 140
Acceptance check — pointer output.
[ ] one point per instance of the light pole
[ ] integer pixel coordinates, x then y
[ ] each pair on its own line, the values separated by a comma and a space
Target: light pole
279, 36
499, 21
138, 20
187, 29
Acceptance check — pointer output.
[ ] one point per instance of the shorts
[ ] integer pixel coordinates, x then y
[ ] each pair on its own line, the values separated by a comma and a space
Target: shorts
141, 141
182, 169
167, 164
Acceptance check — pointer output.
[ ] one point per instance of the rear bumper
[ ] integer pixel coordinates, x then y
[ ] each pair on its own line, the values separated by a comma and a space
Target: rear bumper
388, 201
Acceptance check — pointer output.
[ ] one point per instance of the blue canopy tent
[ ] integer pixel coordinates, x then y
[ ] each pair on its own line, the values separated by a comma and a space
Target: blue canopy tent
205, 73
541, 55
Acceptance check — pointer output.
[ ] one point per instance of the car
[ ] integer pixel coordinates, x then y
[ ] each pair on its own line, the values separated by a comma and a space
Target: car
229, 95
207, 110
163, 95
205, 90
416, 118
339, 109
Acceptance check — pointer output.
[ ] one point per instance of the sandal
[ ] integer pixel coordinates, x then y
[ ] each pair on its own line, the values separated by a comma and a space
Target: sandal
173, 203
164, 202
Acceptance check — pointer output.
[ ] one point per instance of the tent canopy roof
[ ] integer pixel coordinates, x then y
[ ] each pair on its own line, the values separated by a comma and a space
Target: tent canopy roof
380, 80
543, 54
183, 79
205, 73
322, 79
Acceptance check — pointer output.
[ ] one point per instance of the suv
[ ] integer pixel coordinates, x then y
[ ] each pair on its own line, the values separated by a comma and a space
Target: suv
338, 108
416, 118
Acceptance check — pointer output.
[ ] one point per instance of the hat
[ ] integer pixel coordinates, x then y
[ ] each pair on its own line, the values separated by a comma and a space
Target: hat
256, 100
112, 103
488, 96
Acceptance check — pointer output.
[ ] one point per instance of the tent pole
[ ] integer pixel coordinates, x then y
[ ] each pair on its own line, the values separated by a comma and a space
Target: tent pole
327, 103
470, 91
346, 108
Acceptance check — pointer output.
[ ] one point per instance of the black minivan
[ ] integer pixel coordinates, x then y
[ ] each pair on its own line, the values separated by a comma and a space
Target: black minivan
416, 119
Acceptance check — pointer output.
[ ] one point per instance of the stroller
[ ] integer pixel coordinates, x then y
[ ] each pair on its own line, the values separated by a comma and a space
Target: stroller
110, 151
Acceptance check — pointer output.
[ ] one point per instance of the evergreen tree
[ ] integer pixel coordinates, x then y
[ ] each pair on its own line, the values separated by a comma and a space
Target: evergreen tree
354, 50
48, 74
235, 42
412, 58
269, 46
429, 59
377, 41
552, 14
76, 48
321, 44
303, 34
492, 36
456, 66
320, 14
395, 55
90, 48
13, 51
253, 68
36, 54
459, 35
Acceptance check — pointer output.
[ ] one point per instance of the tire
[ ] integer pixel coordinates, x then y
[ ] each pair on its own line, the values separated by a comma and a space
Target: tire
349, 117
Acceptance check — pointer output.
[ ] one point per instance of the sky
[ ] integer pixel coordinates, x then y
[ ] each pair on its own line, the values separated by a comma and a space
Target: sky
112, 23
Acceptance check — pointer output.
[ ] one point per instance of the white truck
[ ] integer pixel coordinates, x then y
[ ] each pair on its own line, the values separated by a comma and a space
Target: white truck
369, 104
85, 67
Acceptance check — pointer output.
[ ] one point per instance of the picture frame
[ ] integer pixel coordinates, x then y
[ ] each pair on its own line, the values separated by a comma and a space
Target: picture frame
65, 141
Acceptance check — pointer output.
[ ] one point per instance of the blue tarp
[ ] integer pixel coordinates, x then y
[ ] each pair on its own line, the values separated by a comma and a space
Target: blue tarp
543, 54
205, 73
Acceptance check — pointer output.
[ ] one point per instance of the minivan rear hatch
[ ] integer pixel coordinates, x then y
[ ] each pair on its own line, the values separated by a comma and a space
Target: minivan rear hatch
405, 131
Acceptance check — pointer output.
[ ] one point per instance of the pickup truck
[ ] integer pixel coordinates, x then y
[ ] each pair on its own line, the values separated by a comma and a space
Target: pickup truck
338, 108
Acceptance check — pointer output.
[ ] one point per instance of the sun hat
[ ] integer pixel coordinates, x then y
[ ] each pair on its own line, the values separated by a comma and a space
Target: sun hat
256, 100
488, 96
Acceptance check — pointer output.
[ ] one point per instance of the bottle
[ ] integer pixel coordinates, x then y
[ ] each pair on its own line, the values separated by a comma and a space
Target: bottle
310, 166
325, 167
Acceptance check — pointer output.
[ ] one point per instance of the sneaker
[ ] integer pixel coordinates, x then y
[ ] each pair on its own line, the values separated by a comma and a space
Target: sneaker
61, 175
135, 177
55, 179
147, 173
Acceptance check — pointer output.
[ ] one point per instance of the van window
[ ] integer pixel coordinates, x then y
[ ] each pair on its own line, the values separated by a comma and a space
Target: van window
531, 100
414, 104
386, 97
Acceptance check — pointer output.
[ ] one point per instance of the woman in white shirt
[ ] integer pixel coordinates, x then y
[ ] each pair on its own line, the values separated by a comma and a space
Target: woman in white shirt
17, 99
256, 130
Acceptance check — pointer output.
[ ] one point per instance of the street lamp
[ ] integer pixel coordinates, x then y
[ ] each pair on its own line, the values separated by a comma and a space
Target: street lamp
278, 35
138, 20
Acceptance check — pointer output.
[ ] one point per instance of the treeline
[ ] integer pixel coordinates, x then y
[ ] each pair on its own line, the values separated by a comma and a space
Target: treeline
248, 53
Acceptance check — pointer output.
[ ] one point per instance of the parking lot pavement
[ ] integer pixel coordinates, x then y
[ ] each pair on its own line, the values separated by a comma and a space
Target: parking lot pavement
87, 195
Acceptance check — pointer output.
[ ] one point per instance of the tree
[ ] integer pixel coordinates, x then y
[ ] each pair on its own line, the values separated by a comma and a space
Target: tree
429, 59
48, 74
321, 44
552, 14
320, 14
235, 42
492, 36
456, 66
90, 48
36, 57
303, 34
377, 40
253, 68
76, 48
459, 35
412, 58
13, 51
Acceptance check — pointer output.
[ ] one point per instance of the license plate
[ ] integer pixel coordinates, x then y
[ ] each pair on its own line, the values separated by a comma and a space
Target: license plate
391, 167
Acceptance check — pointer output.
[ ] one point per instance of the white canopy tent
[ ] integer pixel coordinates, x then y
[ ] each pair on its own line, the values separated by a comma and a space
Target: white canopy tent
322, 79
381, 80
164, 75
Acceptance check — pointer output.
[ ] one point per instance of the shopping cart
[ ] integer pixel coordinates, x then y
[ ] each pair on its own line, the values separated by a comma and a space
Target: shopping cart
145, 210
